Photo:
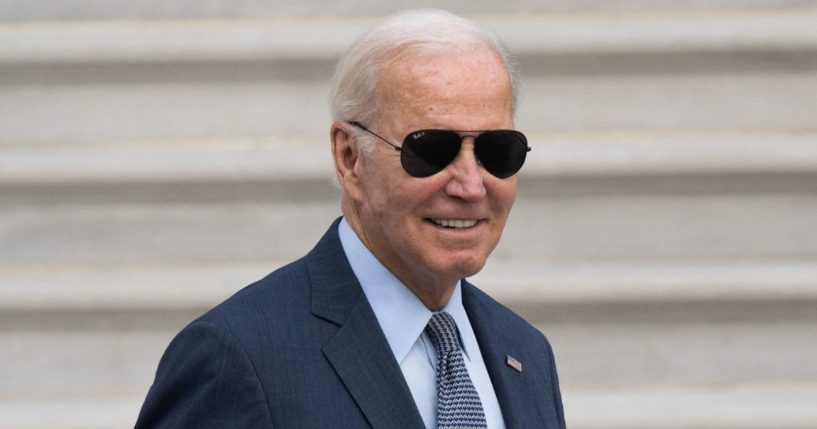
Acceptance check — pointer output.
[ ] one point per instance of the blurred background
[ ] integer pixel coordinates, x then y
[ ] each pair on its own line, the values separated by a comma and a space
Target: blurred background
158, 155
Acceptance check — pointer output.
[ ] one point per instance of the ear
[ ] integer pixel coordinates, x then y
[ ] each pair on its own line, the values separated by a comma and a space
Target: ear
346, 157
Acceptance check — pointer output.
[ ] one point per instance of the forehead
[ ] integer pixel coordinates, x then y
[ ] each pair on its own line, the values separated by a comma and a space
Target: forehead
461, 88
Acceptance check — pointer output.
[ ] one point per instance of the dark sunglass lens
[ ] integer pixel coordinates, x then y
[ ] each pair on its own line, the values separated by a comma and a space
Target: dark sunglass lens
427, 152
501, 152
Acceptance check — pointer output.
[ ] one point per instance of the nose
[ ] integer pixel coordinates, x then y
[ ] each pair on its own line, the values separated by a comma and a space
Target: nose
466, 180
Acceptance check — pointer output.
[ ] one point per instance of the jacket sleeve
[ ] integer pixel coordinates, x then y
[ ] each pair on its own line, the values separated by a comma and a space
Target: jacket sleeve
557, 393
205, 380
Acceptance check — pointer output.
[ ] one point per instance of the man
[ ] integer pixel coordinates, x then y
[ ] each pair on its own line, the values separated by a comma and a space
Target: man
376, 326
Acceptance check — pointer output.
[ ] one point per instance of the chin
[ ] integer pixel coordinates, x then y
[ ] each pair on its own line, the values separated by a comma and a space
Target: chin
465, 267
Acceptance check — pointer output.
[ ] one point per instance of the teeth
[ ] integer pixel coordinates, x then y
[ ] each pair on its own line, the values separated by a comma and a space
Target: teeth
455, 223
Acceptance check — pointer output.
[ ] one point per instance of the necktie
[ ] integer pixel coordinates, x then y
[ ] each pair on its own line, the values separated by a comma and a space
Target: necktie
458, 404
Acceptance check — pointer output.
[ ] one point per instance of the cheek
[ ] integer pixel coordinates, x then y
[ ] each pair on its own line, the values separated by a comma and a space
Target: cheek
388, 198
503, 194
413, 195
510, 197
374, 182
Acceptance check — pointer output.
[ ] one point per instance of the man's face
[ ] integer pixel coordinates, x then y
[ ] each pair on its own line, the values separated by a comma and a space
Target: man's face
435, 230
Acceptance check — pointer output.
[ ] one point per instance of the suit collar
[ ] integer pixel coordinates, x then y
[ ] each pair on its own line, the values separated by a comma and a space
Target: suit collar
358, 352
335, 289
361, 356
497, 341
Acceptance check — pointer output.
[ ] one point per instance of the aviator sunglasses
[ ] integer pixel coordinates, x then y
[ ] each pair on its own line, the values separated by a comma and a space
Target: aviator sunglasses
427, 152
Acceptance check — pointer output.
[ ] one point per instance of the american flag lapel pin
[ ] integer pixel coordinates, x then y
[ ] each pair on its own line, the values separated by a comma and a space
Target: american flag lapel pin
513, 363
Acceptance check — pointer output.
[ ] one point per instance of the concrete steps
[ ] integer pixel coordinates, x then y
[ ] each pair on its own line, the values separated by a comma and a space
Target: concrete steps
779, 408
584, 201
77, 10
655, 268
733, 344
704, 409
156, 157
111, 81
277, 158
196, 288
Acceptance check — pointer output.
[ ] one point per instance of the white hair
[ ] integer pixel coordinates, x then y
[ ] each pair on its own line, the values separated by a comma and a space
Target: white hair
352, 97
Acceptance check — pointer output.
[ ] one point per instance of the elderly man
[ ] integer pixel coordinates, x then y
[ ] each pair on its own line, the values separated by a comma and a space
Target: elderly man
376, 326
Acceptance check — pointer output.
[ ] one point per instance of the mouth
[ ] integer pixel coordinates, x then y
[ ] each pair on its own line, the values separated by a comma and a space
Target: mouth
454, 223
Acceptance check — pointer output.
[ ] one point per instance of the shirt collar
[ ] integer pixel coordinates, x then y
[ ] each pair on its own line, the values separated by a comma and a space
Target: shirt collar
401, 315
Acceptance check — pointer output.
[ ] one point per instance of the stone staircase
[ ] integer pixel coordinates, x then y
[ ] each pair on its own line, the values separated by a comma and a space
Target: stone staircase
157, 156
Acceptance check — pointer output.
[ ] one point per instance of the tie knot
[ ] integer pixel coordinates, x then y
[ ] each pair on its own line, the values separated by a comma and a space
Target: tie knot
443, 333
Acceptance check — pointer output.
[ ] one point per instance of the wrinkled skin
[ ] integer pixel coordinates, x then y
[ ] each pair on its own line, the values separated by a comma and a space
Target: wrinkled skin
392, 212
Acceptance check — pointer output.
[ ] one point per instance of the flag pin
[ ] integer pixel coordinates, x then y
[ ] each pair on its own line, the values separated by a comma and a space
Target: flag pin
513, 363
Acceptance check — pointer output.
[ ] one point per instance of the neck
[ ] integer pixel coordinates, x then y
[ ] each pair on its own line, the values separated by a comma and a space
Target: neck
435, 298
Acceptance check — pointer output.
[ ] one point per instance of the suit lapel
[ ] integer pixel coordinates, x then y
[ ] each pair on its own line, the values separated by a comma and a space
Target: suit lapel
359, 352
496, 344
363, 360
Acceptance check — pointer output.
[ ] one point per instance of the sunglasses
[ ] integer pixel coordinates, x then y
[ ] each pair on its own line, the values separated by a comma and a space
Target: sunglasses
427, 152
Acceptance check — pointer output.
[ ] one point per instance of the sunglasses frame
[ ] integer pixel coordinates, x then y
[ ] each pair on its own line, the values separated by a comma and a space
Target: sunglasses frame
457, 132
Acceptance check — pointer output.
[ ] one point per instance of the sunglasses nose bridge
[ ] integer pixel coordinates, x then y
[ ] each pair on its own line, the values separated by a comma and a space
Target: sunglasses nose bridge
465, 168
466, 176
468, 146
467, 150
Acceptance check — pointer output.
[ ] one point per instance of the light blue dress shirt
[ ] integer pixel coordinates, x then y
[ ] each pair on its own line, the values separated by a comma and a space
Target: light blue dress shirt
403, 318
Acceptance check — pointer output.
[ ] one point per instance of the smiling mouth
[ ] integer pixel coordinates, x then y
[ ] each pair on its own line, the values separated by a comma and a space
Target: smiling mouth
454, 223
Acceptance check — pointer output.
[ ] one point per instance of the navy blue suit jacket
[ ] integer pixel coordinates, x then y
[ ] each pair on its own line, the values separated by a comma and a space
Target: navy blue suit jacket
302, 348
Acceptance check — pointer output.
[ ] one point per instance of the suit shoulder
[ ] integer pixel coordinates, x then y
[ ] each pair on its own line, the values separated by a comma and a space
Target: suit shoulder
280, 293
500, 314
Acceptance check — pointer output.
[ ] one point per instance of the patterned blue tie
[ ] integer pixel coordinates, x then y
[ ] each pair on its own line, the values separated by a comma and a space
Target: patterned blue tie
458, 404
